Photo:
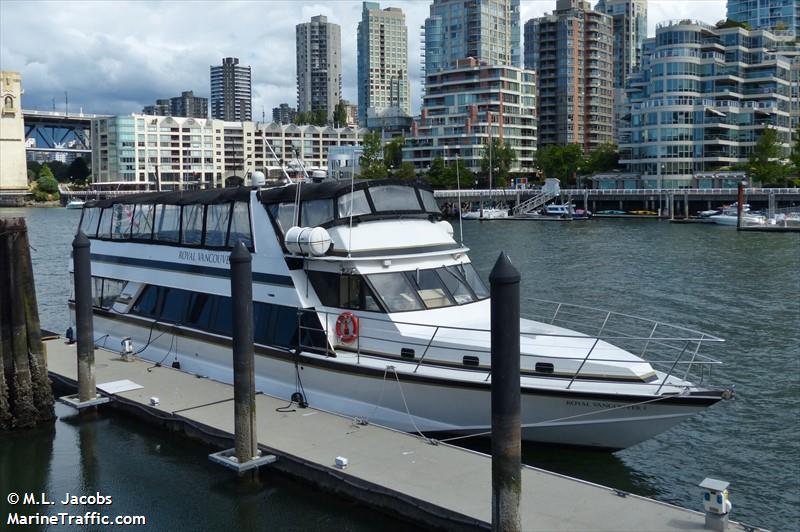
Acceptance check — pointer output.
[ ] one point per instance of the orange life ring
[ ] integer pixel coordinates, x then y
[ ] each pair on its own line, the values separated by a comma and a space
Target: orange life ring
347, 327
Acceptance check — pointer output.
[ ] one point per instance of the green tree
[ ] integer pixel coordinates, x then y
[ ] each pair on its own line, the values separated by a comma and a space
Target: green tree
439, 175
393, 152
730, 23
60, 171
319, 117
372, 164
765, 167
78, 170
340, 115
503, 157
561, 162
465, 176
406, 171
46, 185
795, 157
604, 158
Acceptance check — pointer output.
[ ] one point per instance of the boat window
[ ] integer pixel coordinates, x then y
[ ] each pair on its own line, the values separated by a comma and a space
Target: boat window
359, 201
394, 198
222, 322
283, 214
142, 227
175, 302
456, 284
344, 291
430, 288
192, 227
89, 221
147, 304
395, 291
240, 225
428, 201
201, 305
275, 325
104, 226
217, 220
316, 212
474, 280
168, 223
121, 224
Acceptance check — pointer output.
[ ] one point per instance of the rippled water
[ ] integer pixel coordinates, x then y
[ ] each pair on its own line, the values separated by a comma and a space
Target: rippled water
744, 287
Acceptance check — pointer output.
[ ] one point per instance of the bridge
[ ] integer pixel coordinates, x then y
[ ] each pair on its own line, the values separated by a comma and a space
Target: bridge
60, 132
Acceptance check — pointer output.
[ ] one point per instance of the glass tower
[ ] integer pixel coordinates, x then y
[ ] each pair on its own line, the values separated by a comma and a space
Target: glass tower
774, 15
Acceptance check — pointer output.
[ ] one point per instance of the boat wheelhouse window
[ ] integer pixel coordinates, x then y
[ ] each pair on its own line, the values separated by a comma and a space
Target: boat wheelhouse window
456, 284
430, 288
240, 225
283, 214
396, 292
192, 225
428, 201
168, 223
388, 198
142, 226
104, 225
122, 216
89, 221
473, 279
344, 291
316, 212
359, 203
217, 220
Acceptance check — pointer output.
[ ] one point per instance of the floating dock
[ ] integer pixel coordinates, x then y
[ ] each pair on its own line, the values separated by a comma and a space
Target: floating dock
438, 486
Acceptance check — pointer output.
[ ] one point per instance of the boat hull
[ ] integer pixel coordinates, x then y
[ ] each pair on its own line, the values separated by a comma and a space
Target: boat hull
363, 387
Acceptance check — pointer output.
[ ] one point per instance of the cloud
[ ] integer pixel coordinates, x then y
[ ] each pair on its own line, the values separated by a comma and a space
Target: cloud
116, 57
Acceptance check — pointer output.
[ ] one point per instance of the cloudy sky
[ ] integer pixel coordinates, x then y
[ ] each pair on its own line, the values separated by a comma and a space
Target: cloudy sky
117, 56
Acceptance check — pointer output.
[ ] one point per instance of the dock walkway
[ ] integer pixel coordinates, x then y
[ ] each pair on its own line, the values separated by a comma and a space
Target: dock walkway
435, 485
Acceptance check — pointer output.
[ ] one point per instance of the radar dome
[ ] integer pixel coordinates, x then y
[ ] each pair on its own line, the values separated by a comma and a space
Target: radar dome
258, 179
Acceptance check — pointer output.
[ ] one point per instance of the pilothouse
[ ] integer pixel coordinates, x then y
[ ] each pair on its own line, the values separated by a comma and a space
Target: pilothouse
366, 305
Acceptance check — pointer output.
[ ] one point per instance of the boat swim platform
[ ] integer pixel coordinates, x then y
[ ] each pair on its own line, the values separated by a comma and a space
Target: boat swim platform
436, 486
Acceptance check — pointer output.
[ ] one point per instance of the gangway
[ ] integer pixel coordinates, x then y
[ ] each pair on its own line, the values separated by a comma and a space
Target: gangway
550, 190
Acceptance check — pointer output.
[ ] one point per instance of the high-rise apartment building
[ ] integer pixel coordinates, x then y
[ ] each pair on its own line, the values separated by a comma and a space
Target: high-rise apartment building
630, 32
382, 60
283, 114
488, 30
702, 99
189, 105
572, 53
231, 91
774, 15
465, 106
319, 65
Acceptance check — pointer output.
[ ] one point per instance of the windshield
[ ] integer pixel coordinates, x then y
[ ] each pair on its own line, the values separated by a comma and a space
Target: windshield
428, 289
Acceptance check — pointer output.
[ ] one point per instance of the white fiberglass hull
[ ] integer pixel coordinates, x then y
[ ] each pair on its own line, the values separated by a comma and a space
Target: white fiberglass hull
439, 400
747, 219
486, 214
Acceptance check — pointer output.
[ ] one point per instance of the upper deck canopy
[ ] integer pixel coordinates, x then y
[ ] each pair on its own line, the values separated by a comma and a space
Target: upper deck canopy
180, 197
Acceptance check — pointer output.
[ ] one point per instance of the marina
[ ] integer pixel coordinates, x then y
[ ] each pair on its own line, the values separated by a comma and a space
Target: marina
674, 448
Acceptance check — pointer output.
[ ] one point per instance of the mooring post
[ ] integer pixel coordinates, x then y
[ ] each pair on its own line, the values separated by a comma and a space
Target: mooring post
506, 427
82, 267
740, 205
244, 384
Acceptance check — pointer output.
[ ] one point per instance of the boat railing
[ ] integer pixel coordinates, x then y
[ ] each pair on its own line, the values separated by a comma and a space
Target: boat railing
673, 350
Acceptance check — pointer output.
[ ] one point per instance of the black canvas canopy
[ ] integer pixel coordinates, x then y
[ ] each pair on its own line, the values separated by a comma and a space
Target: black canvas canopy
180, 197
330, 189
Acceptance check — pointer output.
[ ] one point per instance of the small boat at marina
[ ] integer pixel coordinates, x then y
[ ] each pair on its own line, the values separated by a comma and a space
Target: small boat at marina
365, 304
488, 213
730, 216
75, 204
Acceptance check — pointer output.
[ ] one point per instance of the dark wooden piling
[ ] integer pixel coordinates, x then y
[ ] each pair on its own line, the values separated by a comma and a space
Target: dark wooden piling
82, 267
25, 394
506, 428
740, 205
244, 387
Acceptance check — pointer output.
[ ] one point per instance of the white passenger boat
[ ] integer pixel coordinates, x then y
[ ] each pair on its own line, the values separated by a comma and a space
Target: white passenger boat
365, 305
75, 204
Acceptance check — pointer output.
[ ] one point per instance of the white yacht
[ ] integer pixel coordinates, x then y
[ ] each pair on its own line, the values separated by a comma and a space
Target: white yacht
366, 305
486, 213
75, 204
730, 216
